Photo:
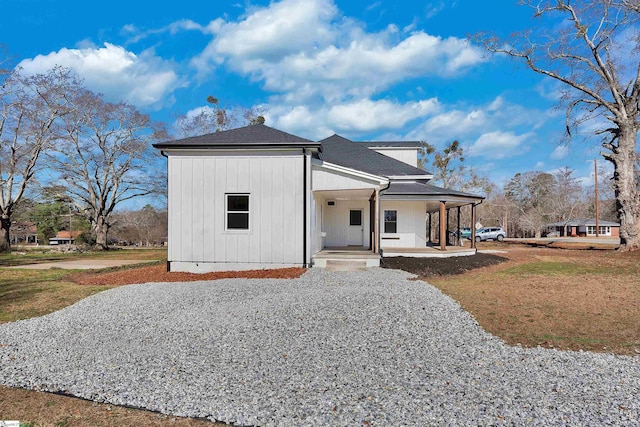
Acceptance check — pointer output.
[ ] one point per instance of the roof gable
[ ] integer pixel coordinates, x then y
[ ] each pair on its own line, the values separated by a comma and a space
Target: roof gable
355, 155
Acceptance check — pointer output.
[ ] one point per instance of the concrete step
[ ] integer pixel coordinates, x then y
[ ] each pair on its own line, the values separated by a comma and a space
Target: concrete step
345, 265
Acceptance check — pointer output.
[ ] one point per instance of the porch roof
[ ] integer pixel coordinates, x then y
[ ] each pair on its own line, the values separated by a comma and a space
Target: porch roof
428, 192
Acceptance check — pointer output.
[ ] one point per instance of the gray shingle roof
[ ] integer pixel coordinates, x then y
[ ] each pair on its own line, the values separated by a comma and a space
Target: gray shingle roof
356, 155
392, 144
248, 136
424, 189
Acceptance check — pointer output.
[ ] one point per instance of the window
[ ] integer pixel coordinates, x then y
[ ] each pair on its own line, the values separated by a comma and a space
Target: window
355, 217
390, 221
237, 211
602, 230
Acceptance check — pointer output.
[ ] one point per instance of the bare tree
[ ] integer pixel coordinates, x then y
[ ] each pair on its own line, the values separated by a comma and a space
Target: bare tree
216, 118
145, 227
595, 58
103, 157
531, 194
29, 107
568, 201
449, 168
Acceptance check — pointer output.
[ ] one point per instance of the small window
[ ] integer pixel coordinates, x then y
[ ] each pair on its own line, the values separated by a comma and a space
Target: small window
390, 221
355, 217
237, 211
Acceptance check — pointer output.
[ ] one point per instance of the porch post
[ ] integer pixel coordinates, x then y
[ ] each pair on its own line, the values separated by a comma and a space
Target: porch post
430, 228
443, 227
448, 236
473, 226
459, 232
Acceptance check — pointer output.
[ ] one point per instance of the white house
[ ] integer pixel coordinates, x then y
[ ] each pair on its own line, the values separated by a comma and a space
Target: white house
256, 197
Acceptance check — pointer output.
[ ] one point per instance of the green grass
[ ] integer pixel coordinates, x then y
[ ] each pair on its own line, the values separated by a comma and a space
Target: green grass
558, 268
34, 255
30, 293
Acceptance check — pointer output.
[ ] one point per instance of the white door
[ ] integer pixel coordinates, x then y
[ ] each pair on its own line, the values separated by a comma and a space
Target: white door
355, 235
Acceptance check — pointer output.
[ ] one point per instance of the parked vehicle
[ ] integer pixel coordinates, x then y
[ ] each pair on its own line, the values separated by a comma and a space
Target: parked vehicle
490, 233
465, 232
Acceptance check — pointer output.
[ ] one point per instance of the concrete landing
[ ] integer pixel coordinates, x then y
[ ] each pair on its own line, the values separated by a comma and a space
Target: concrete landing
335, 265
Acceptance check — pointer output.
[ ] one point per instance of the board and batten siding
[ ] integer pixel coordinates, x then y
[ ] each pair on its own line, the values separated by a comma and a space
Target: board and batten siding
198, 185
411, 224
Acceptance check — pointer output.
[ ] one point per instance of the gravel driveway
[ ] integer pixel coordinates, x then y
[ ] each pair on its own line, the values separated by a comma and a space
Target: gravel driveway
327, 349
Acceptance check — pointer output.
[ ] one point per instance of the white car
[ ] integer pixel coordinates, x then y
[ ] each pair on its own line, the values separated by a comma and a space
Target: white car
490, 233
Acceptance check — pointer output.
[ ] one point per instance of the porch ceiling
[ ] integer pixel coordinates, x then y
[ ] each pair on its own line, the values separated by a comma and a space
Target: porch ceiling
434, 205
361, 194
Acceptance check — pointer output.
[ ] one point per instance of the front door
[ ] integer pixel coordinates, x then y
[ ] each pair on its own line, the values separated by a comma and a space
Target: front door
355, 235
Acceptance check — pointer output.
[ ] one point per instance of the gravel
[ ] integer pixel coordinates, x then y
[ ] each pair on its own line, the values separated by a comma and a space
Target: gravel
329, 348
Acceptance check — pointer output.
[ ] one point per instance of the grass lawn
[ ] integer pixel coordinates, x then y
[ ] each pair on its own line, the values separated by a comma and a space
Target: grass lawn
567, 299
33, 255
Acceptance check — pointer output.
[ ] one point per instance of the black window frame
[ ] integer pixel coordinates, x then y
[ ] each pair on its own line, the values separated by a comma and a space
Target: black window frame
351, 224
237, 212
388, 222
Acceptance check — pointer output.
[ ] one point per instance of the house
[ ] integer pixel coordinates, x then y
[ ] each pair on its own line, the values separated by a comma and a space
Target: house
25, 232
583, 227
65, 237
257, 197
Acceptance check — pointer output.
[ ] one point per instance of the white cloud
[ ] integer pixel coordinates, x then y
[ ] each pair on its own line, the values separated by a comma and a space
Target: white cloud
560, 152
498, 145
144, 80
468, 122
367, 115
283, 28
309, 48
135, 34
349, 118
433, 8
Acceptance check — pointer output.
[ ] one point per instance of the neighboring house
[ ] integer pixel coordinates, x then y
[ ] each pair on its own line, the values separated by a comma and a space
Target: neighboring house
64, 237
583, 228
24, 232
256, 197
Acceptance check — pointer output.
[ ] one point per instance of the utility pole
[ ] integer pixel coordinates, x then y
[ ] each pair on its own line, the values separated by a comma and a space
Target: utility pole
595, 169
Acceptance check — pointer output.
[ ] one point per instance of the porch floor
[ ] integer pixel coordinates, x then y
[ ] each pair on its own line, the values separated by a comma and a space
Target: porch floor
429, 252
356, 257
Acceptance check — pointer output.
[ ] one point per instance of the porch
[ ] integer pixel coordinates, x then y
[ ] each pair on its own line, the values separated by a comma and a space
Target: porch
361, 257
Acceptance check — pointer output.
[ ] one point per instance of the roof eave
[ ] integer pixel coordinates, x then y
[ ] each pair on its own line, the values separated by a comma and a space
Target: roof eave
171, 146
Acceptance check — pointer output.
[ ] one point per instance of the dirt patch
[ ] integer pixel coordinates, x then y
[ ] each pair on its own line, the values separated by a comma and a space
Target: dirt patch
159, 273
40, 409
425, 267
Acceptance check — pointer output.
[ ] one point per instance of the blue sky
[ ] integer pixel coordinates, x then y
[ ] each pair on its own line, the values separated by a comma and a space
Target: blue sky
366, 70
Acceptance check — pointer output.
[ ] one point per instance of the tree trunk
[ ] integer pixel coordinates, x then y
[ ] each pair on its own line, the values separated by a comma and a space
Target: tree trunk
624, 181
5, 239
101, 228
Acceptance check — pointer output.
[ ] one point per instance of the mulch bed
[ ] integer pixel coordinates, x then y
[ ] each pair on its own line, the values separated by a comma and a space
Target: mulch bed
424, 267
159, 273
